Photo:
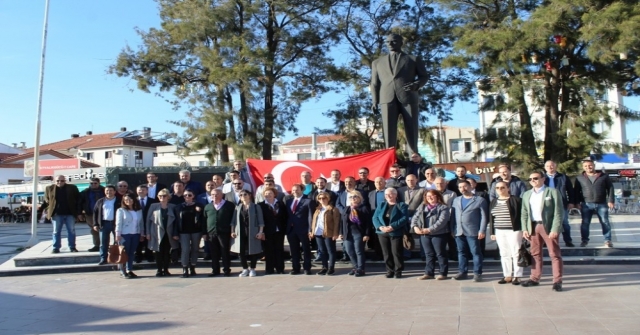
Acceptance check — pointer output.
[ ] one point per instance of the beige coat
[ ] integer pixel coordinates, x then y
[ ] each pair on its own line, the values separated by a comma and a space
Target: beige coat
331, 221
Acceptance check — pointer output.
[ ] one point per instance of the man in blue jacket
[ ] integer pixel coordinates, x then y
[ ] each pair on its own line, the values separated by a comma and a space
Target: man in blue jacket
563, 184
469, 217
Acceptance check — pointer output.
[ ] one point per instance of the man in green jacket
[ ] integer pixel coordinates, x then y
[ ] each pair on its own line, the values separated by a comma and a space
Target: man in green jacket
542, 213
219, 215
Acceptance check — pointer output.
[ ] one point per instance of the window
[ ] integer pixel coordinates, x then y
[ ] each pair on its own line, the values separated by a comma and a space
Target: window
108, 154
304, 156
455, 146
203, 163
138, 159
108, 158
89, 156
467, 146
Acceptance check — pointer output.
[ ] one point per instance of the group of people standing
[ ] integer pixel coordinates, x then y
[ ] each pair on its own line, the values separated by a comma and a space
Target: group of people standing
383, 213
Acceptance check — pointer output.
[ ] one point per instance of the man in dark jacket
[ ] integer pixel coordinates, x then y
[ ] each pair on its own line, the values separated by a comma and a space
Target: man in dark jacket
415, 166
397, 179
461, 174
219, 215
516, 186
62, 203
104, 219
88, 198
563, 184
594, 194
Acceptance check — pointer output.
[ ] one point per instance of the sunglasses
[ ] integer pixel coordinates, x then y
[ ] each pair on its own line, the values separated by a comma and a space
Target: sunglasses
534, 178
237, 183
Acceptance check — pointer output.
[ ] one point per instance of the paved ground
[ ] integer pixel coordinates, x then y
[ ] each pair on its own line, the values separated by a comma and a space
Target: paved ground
603, 299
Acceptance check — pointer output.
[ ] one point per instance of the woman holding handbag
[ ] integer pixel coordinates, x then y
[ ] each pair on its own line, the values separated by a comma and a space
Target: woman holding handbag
325, 227
129, 223
247, 233
431, 223
505, 226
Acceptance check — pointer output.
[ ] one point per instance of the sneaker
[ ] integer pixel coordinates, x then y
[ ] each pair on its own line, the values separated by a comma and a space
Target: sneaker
331, 272
425, 277
244, 273
460, 276
584, 243
569, 244
607, 244
252, 273
322, 272
477, 278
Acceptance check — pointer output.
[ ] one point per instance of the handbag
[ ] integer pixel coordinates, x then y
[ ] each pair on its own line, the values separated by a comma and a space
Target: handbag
407, 240
117, 254
524, 257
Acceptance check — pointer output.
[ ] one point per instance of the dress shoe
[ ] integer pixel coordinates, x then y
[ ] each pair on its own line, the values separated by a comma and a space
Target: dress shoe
227, 273
214, 273
515, 281
389, 275
166, 272
477, 278
359, 274
398, 274
557, 287
460, 276
159, 273
102, 262
504, 280
569, 244
307, 272
192, 270
207, 257
294, 272
280, 272
584, 243
55, 251
425, 277
137, 259
530, 282
73, 249
94, 249
352, 272
132, 275
331, 272
322, 272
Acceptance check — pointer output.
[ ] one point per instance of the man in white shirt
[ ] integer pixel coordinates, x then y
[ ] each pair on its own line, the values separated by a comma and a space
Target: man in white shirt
228, 187
217, 181
335, 184
429, 183
145, 202
153, 186
234, 195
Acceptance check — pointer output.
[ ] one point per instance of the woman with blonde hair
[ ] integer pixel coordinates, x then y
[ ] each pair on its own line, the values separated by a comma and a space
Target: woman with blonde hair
325, 227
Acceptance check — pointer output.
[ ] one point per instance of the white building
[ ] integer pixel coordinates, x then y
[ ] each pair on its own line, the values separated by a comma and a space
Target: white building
301, 148
615, 134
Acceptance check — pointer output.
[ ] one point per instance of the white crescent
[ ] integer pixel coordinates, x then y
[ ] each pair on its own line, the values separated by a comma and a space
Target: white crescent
279, 169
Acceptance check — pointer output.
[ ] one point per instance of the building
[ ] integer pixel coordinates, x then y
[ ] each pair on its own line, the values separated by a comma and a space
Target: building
487, 100
459, 145
308, 147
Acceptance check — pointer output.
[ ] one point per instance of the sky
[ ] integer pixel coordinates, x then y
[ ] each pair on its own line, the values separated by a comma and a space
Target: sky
84, 39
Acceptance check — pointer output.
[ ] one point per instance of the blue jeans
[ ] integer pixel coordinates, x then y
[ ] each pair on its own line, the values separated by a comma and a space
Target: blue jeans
354, 246
105, 234
435, 246
602, 210
469, 245
130, 243
566, 229
327, 247
64, 220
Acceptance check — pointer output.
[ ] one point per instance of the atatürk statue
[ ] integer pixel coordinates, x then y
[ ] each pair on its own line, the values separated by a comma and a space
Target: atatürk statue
395, 81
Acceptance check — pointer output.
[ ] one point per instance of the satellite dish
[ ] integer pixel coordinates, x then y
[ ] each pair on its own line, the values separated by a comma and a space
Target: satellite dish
80, 153
184, 165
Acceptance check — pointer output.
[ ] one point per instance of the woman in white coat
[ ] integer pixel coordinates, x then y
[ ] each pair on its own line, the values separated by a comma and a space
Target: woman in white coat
129, 223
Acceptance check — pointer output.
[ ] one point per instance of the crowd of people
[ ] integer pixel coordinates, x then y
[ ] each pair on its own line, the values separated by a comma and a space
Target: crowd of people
451, 219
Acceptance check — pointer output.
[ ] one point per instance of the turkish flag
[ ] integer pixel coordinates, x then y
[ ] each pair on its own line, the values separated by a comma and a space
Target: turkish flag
287, 173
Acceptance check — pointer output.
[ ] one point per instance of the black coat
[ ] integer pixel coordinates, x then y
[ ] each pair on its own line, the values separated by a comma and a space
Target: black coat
515, 206
364, 214
272, 220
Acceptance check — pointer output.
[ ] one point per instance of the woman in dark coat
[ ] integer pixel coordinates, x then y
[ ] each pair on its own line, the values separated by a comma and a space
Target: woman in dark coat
354, 231
275, 227
505, 227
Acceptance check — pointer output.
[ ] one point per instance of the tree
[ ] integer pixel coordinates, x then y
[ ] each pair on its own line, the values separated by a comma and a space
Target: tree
269, 56
364, 25
553, 51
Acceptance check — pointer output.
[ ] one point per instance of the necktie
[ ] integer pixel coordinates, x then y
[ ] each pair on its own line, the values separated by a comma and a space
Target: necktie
142, 201
295, 205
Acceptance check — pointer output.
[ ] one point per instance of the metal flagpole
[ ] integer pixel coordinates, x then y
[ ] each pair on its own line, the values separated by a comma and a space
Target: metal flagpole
36, 147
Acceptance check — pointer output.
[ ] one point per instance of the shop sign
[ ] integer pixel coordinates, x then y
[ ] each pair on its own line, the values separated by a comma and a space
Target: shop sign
628, 173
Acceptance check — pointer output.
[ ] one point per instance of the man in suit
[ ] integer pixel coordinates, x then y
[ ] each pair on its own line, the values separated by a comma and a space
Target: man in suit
469, 217
541, 216
153, 186
562, 183
461, 174
205, 198
395, 81
376, 199
88, 199
335, 184
298, 229
145, 202
412, 196
61, 201
234, 195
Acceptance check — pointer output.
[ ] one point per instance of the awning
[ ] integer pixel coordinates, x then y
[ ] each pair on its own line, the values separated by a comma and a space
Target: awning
610, 158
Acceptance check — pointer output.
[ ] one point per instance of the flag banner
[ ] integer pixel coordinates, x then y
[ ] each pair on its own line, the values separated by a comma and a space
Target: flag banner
287, 173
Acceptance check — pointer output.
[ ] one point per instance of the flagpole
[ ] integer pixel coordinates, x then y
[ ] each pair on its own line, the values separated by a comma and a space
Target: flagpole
36, 147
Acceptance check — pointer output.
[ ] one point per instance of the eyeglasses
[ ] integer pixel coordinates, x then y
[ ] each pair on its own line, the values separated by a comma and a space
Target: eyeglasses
188, 195
162, 196
534, 178
322, 198
354, 197
501, 187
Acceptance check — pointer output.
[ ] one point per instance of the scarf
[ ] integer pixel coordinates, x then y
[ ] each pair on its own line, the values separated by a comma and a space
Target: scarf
353, 217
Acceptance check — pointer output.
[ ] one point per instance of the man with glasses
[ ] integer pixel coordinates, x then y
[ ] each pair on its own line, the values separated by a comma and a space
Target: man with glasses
397, 179
153, 186
363, 183
234, 195
88, 198
61, 201
228, 187
541, 216
429, 183
415, 166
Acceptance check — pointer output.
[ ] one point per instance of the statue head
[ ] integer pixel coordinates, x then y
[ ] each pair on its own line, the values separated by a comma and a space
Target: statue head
394, 42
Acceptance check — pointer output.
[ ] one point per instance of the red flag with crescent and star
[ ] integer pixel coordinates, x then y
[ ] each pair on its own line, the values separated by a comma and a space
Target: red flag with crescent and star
287, 173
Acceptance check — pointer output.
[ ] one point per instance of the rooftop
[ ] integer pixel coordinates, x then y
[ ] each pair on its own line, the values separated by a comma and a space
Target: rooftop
306, 140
